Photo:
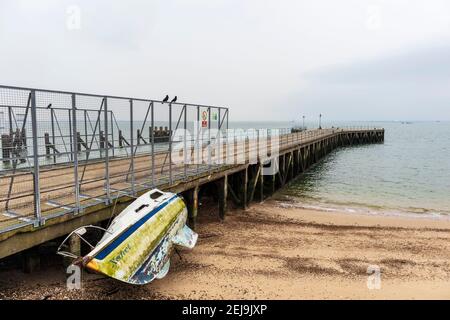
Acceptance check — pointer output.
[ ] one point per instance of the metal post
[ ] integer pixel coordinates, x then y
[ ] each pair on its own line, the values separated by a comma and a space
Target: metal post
198, 140
85, 127
37, 195
227, 135
53, 135
258, 151
219, 160
10, 121
133, 191
209, 138
108, 190
70, 135
75, 154
227, 119
112, 133
170, 143
152, 121
185, 142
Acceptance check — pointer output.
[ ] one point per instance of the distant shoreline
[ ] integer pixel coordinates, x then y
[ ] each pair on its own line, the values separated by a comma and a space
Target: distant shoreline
362, 211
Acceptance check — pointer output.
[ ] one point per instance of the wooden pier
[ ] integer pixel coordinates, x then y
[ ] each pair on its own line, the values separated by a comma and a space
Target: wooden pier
240, 184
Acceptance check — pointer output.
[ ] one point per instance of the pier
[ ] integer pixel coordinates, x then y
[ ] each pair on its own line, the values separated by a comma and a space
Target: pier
72, 159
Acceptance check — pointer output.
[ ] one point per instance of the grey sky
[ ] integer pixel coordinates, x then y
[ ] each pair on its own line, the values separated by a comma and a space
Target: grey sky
266, 60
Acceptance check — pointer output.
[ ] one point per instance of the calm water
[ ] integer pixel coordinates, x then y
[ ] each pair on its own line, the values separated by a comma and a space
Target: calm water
409, 173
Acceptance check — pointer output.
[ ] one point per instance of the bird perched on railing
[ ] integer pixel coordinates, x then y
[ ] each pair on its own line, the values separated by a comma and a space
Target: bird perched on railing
174, 100
166, 99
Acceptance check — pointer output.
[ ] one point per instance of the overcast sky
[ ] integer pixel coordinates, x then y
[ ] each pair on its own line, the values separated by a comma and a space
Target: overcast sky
266, 60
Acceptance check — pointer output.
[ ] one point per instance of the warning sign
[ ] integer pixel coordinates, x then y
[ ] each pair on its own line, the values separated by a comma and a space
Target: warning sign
205, 119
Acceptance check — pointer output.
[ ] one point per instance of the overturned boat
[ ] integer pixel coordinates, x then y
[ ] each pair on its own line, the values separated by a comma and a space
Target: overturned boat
136, 247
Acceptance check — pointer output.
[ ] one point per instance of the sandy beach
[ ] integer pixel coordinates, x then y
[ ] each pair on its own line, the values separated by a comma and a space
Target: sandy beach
272, 251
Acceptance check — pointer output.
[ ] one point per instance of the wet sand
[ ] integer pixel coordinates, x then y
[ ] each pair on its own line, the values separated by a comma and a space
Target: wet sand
275, 252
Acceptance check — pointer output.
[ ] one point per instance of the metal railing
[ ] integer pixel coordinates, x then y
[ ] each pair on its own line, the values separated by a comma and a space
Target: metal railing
63, 151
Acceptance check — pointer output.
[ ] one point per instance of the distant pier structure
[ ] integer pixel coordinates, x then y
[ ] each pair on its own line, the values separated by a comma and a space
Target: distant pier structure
68, 159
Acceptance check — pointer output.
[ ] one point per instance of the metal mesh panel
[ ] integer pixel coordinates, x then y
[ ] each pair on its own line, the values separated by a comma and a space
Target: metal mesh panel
16, 165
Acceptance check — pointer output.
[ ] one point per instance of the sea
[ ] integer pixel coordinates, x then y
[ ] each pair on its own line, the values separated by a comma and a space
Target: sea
408, 174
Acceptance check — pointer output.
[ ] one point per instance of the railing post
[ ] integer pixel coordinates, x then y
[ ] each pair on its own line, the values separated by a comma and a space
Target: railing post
257, 146
133, 190
170, 144
227, 118
209, 139
185, 142
70, 134
37, 195
152, 121
85, 127
198, 143
53, 134
219, 156
106, 146
112, 133
75, 154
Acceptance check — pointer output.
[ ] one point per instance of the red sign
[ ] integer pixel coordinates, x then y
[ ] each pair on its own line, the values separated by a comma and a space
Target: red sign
204, 119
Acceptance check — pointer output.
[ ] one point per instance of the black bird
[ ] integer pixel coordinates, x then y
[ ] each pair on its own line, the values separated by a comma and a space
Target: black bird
49, 106
174, 100
166, 98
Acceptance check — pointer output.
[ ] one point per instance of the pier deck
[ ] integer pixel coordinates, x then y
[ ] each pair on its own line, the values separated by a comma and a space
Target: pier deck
66, 161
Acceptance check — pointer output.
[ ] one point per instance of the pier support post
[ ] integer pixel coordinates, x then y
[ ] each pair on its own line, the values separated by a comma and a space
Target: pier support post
261, 182
244, 186
75, 245
192, 205
223, 193
292, 171
31, 260
273, 179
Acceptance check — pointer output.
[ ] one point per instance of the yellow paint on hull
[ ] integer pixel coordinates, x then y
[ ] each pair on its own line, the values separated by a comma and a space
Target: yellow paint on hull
128, 257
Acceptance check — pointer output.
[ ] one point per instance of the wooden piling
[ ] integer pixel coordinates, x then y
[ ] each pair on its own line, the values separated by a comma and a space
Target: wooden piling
192, 206
261, 182
47, 144
244, 188
75, 245
6, 148
31, 260
102, 140
222, 186
81, 142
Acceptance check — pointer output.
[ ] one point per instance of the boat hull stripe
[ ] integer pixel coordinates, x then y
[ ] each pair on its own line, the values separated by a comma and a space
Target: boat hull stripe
110, 247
